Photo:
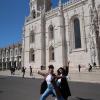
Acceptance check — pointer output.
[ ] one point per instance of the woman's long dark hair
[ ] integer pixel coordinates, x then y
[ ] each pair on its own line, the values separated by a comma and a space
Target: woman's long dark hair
63, 71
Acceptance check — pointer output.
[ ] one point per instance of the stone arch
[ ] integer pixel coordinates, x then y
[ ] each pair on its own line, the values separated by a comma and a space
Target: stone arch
32, 37
51, 53
32, 55
51, 32
75, 35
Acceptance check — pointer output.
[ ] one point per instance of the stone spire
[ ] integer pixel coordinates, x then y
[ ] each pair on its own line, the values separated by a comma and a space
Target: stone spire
60, 7
60, 2
63, 35
92, 3
44, 5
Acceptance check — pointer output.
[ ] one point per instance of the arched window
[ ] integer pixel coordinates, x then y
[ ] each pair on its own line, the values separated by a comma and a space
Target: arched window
7, 53
51, 53
16, 52
20, 51
77, 33
33, 14
3, 59
32, 55
32, 37
11, 53
51, 32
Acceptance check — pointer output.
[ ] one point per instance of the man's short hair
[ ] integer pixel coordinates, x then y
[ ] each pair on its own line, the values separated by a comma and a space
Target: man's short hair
51, 67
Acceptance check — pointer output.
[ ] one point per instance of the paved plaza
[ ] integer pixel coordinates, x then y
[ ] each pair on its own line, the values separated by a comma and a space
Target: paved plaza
15, 88
84, 85
83, 76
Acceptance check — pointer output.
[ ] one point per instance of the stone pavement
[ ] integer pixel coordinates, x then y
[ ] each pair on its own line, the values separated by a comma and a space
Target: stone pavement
18, 73
15, 88
83, 76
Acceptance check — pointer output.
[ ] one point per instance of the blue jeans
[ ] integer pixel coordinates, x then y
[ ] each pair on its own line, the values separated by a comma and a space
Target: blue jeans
49, 91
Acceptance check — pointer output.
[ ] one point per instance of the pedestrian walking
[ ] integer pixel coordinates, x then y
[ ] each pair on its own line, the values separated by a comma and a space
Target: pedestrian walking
79, 67
90, 68
94, 64
51, 87
23, 71
11, 70
31, 73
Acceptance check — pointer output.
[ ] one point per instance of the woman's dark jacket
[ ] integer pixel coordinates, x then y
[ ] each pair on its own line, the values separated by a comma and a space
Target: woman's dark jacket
64, 88
43, 87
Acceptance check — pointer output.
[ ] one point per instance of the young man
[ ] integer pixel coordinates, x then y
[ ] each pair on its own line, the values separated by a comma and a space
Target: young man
51, 84
23, 71
31, 73
79, 67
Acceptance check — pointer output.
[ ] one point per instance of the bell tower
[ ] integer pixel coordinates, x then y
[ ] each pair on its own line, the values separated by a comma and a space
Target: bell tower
35, 6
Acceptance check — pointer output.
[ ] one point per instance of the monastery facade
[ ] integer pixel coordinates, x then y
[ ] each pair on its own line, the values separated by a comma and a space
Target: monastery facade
66, 33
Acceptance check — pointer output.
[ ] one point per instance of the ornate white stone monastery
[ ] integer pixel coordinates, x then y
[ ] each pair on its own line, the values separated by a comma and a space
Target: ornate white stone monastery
11, 56
66, 33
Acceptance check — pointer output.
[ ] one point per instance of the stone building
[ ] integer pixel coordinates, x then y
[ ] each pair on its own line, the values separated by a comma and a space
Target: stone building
68, 32
11, 56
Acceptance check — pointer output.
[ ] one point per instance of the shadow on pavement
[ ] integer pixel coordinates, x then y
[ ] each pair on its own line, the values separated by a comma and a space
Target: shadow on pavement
1, 91
83, 98
2, 77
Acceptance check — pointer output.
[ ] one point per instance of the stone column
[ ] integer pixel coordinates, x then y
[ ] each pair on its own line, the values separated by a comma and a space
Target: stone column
23, 47
11, 63
43, 41
6, 64
2, 65
95, 32
99, 33
63, 35
84, 32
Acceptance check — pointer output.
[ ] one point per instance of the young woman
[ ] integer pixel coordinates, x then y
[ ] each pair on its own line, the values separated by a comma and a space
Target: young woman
63, 84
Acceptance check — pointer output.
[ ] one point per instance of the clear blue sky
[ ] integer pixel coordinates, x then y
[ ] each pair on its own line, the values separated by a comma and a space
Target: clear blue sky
12, 16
